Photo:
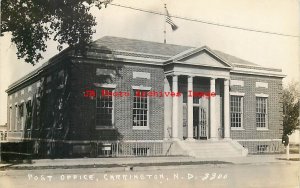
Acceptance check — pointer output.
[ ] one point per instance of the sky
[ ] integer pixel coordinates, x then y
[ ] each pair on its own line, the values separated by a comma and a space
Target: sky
280, 16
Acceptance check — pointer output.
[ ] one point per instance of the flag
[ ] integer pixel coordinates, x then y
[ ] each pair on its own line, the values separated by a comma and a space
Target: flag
169, 21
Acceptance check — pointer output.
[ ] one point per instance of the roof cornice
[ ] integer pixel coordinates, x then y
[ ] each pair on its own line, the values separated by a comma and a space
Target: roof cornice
258, 72
55, 59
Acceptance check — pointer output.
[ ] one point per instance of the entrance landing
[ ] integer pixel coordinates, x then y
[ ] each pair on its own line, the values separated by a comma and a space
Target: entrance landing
213, 149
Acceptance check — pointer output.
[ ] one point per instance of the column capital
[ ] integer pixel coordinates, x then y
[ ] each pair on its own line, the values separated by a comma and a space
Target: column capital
212, 81
171, 75
226, 82
175, 74
190, 79
175, 78
212, 78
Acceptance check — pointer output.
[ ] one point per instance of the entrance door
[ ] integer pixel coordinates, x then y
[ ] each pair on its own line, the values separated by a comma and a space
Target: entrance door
202, 123
200, 119
203, 118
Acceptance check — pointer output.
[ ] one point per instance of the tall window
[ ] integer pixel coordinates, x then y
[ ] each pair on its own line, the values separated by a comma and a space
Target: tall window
28, 114
104, 109
10, 118
21, 115
2, 136
17, 118
37, 115
261, 112
61, 79
140, 109
236, 111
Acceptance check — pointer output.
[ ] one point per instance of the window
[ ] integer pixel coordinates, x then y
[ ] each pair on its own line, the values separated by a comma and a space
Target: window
261, 112
21, 115
140, 109
2, 135
104, 109
37, 112
48, 79
10, 118
60, 79
16, 118
236, 111
141, 151
262, 148
28, 114
47, 113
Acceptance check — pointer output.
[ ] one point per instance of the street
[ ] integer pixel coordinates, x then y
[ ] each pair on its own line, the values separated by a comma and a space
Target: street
280, 175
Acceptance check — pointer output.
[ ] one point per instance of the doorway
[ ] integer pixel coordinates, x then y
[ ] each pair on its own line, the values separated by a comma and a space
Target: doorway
200, 121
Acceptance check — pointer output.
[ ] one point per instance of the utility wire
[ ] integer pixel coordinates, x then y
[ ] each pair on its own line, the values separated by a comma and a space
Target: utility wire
206, 22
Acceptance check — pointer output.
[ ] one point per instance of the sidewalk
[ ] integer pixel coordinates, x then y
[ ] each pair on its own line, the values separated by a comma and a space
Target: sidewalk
147, 162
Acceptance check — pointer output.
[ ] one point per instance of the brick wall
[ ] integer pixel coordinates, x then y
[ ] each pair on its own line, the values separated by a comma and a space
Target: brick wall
23, 94
26, 92
256, 146
83, 113
274, 92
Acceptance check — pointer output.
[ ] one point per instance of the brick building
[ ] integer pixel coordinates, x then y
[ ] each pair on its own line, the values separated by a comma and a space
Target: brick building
221, 105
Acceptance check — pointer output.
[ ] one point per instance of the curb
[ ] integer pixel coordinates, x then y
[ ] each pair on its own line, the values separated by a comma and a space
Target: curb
126, 167
143, 165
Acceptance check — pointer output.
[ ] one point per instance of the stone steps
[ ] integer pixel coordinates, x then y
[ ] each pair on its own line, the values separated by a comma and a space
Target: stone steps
214, 149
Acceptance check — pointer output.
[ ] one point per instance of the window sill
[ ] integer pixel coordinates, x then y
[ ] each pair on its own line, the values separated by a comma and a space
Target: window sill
262, 129
140, 128
237, 129
105, 127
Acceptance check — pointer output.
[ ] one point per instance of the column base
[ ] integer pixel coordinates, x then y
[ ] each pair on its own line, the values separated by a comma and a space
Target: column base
175, 139
227, 138
190, 140
214, 139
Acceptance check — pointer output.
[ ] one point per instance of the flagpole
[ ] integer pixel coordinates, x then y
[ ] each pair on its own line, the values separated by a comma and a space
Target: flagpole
0, 18
165, 40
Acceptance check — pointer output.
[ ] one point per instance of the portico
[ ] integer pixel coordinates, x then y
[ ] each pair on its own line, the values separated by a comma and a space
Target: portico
201, 116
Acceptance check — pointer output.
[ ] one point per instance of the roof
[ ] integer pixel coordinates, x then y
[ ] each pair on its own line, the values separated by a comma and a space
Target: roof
233, 59
162, 50
156, 48
140, 46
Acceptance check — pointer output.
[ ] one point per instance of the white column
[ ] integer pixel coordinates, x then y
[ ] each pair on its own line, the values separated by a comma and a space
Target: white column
212, 114
175, 108
190, 108
226, 110
167, 111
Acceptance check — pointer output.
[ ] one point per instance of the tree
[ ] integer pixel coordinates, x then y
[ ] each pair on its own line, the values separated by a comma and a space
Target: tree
290, 108
33, 22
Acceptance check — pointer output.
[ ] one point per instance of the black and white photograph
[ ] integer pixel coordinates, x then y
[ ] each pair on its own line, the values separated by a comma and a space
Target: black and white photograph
140, 93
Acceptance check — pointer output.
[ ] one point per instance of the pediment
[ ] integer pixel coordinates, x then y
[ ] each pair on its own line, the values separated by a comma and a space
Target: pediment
201, 56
